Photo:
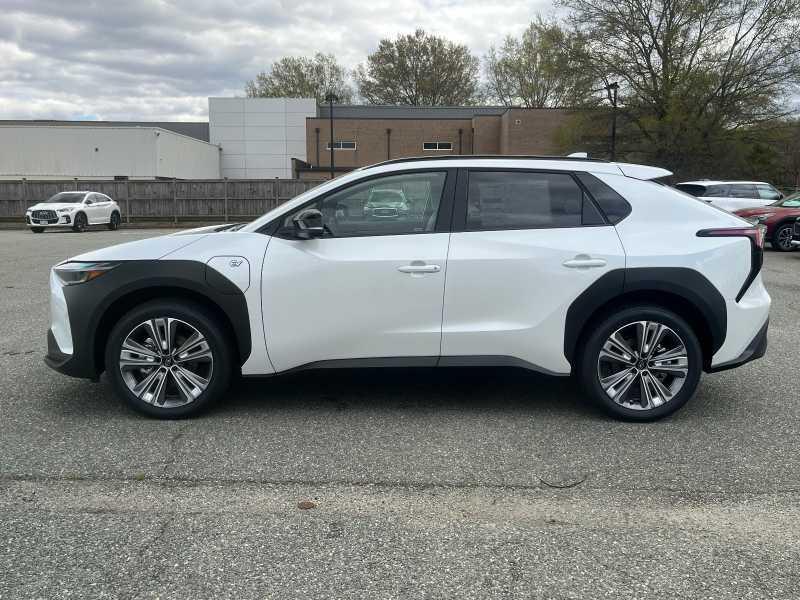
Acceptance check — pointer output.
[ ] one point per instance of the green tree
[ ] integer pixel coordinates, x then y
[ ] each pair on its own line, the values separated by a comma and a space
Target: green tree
691, 72
421, 70
540, 69
302, 77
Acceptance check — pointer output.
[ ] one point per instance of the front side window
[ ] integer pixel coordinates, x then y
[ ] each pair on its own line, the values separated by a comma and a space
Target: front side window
767, 192
520, 200
437, 146
717, 191
392, 205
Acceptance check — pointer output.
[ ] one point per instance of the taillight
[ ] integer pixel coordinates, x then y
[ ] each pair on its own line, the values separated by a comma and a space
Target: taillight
756, 234
756, 237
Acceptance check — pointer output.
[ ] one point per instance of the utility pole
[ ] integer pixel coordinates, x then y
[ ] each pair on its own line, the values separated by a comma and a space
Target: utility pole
330, 99
612, 89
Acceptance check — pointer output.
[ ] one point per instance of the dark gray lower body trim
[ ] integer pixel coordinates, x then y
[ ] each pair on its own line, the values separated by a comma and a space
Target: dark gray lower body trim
418, 361
755, 350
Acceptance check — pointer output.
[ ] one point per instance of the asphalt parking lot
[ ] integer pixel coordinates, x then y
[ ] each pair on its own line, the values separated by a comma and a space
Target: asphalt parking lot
459, 483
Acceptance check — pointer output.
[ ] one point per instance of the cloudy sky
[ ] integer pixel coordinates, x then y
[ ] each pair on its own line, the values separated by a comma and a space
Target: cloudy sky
151, 59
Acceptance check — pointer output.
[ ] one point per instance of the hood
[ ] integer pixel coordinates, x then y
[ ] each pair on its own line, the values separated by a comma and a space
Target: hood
149, 249
53, 205
758, 210
206, 229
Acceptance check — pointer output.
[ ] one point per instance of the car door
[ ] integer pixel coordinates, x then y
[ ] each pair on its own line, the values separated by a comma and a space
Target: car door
525, 245
90, 208
371, 287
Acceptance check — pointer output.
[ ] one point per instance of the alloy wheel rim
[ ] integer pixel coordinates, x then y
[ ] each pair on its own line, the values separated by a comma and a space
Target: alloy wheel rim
643, 365
785, 237
166, 362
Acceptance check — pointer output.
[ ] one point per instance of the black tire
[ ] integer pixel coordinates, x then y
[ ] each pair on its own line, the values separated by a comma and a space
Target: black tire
591, 365
782, 238
80, 223
113, 224
37, 229
193, 315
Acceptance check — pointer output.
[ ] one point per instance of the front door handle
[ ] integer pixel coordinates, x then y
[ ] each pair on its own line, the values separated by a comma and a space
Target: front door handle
584, 261
419, 267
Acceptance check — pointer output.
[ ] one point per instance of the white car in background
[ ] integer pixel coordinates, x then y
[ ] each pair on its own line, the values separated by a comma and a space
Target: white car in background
732, 195
73, 209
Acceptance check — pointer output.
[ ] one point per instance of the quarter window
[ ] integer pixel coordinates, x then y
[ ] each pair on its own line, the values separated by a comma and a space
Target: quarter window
392, 205
521, 200
437, 146
767, 192
341, 145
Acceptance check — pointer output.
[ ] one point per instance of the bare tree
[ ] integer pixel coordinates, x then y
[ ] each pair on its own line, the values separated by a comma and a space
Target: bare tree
539, 69
691, 71
302, 77
419, 69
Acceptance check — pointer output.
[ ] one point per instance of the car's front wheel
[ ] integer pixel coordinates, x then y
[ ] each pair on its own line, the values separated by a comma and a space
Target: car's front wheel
782, 238
169, 359
113, 223
80, 222
641, 363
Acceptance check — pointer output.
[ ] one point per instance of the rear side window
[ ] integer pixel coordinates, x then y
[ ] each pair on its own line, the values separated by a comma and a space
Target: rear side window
743, 190
522, 200
614, 206
717, 191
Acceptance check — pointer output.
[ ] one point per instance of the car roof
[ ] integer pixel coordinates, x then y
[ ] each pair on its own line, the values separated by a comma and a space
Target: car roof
721, 182
560, 163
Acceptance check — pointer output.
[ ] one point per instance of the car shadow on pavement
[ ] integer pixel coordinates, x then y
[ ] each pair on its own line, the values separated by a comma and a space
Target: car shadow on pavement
463, 389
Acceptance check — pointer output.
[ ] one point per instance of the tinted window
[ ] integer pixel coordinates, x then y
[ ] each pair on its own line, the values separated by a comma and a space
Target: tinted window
518, 200
692, 190
393, 205
743, 190
767, 192
717, 191
614, 206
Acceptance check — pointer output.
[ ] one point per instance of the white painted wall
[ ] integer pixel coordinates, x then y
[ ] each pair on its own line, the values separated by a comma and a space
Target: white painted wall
259, 136
59, 152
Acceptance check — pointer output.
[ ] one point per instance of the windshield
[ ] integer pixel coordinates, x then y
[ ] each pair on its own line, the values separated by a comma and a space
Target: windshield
67, 197
792, 201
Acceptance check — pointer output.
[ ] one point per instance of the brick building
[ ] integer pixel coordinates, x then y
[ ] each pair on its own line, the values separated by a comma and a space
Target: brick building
365, 135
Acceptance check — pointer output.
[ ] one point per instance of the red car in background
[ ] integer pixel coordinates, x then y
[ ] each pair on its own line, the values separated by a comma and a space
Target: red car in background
779, 219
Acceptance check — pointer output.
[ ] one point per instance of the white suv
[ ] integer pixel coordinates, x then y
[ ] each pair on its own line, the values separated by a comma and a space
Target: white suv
732, 195
562, 266
76, 210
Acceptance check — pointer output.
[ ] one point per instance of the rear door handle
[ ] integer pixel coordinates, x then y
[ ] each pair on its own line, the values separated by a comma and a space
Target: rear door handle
419, 267
584, 261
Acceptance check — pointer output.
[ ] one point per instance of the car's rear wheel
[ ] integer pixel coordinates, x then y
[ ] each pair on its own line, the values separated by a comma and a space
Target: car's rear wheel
79, 225
113, 223
641, 363
169, 359
782, 237
37, 229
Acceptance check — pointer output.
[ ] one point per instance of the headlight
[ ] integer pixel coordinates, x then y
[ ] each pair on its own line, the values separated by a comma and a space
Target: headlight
72, 273
63, 210
756, 219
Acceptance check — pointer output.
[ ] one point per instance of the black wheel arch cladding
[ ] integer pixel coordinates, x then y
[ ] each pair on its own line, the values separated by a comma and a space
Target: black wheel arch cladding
91, 305
671, 283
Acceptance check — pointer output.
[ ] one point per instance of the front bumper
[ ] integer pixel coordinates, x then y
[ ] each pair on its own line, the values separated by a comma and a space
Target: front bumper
60, 221
755, 350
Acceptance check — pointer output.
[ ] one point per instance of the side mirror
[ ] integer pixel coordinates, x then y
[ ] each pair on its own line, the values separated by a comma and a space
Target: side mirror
87, 202
308, 224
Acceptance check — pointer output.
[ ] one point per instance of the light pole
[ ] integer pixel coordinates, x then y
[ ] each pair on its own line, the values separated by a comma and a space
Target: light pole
612, 90
330, 99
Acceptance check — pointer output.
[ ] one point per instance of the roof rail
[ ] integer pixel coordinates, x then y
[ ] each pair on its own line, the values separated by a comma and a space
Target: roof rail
485, 156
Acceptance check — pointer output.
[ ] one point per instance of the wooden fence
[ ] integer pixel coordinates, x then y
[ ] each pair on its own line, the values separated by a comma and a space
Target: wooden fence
223, 200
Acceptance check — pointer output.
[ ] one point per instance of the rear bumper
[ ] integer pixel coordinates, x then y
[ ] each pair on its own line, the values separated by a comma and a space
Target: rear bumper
755, 350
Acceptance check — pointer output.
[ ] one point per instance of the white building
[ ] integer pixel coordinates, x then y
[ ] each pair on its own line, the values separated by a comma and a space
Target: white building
103, 151
259, 136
